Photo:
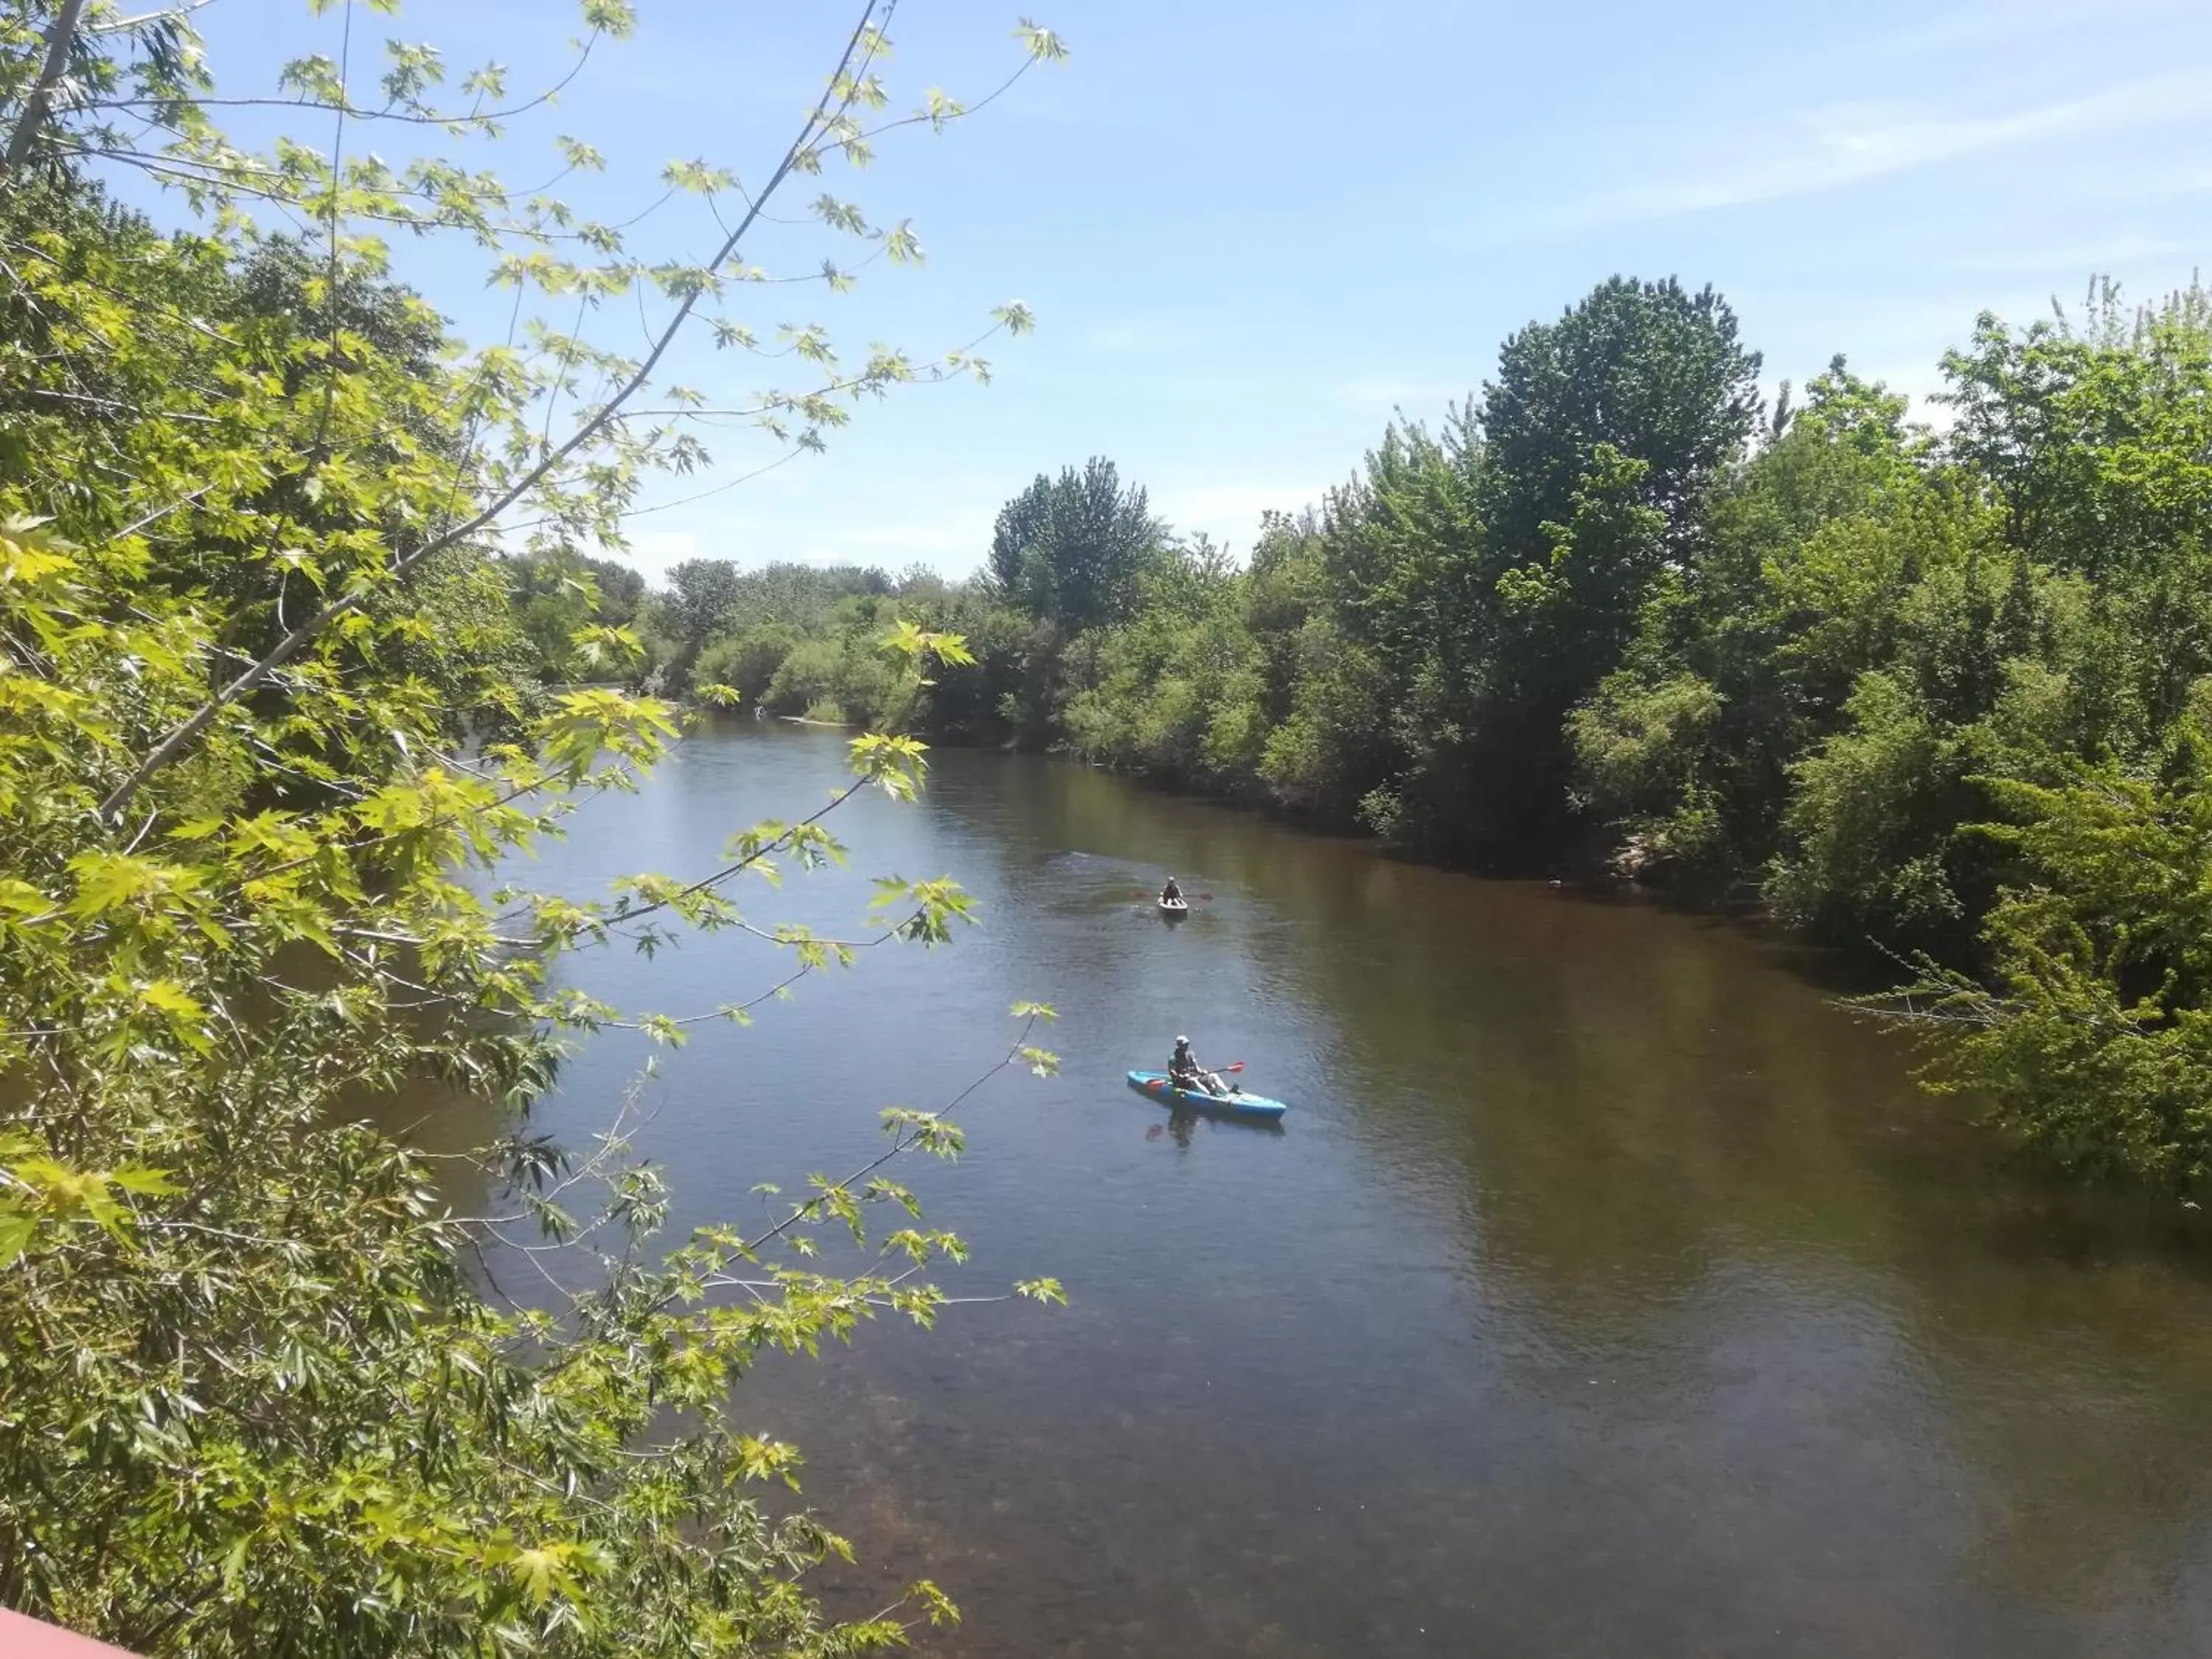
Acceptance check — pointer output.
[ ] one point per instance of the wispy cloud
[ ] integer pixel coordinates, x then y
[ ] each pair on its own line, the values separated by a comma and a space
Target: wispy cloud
1852, 143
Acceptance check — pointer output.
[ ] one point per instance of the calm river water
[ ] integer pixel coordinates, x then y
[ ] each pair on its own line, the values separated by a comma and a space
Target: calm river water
1608, 1290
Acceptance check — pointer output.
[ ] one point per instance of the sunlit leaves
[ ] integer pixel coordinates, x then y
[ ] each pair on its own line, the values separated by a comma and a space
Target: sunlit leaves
935, 906
537, 1573
216, 1281
698, 178
580, 155
940, 108
187, 1019
31, 555
902, 245
915, 648
839, 215
598, 648
769, 1460
893, 763
809, 343
18, 1227
38, 1194
1042, 43
930, 1131
595, 721
106, 882
614, 18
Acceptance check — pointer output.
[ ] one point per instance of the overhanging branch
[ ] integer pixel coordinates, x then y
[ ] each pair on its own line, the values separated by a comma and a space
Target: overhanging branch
181, 738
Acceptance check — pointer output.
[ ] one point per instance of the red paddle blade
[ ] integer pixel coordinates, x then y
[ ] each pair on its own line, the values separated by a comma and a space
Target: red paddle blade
1238, 1067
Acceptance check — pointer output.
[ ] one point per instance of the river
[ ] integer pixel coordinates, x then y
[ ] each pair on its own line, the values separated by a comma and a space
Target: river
1607, 1289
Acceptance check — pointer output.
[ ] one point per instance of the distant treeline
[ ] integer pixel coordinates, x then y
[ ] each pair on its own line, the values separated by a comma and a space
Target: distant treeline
1941, 694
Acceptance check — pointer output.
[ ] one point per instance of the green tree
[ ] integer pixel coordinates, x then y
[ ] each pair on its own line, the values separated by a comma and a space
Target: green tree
1650, 369
255, 1402
1012, 697
747, 659
1588, 460
1745, 657
1175, 692
2092, 431
698, 600
1070, 549
2091, 1038
559, 596
1399, 552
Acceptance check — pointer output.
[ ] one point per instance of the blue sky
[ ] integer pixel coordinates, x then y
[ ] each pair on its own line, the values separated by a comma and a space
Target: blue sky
1249, 232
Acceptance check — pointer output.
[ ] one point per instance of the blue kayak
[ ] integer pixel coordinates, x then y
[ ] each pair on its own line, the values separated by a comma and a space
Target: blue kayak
1240, 1105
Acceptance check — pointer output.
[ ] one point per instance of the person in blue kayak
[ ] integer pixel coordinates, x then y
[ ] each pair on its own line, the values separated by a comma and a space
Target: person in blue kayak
1185, 1073
1172, 893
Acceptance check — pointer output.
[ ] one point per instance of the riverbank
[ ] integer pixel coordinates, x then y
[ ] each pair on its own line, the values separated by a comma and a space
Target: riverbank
1596, 862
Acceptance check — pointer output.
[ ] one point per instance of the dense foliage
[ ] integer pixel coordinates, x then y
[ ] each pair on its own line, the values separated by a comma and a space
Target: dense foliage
1936, 697
272, 711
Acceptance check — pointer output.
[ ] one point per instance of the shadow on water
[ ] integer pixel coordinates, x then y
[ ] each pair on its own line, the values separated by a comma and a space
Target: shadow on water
1615, 1289
1183, 1125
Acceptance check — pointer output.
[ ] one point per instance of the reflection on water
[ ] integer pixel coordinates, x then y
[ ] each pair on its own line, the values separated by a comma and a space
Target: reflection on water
1607, 1290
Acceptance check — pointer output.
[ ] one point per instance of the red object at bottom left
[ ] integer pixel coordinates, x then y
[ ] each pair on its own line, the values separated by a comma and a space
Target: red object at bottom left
26, 1638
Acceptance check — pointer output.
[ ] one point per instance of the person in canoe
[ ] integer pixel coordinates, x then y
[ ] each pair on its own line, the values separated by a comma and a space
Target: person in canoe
1172, 893
1185, 1073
